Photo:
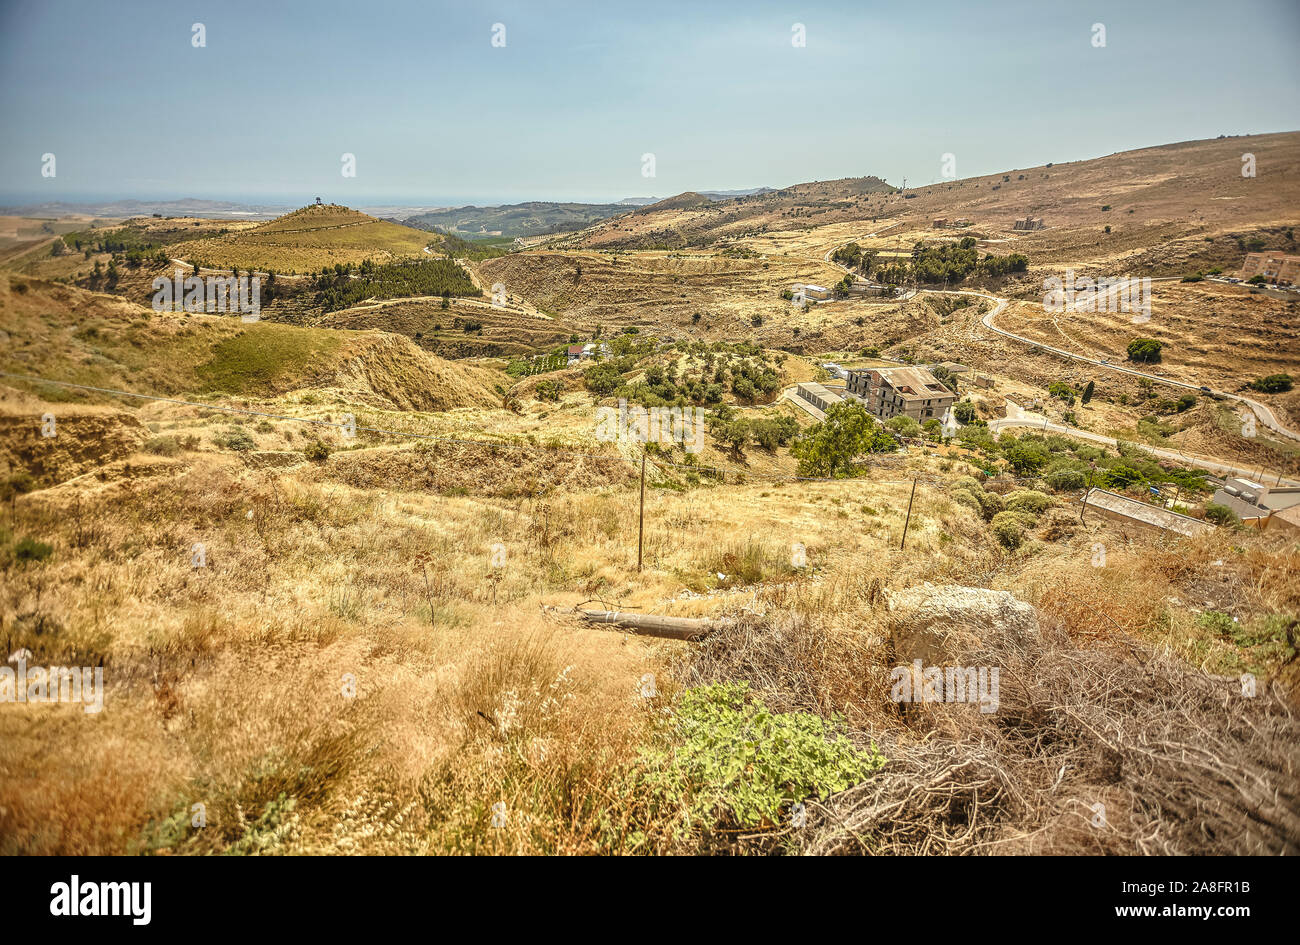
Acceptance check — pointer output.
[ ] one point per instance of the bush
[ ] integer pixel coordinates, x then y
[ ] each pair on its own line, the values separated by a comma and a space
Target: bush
963, 411
316, 451
966, 491
903, 426
1221, 514
1144, 350
1008, 529
1061, 391
548, 389
602, 379
238, 439
29, 549
1029, 501
1272, 384
1066, 480
1026, 457
163, 446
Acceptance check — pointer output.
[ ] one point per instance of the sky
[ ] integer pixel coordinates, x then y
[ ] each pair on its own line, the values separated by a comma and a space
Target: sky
566, 109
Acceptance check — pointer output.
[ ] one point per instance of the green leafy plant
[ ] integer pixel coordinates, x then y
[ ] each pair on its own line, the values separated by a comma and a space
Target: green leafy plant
29, 549
727, 757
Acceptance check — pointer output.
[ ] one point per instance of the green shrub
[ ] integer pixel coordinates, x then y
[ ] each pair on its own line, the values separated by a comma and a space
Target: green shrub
602, 379
1221, 514
29, 549
1272, 384
163, 446
963, 411
1144, 350
1066, 480
1061, 391
1028, 500
238, 439
548, 389
316, 451
903, 426
970, 493
1009, 529
726, 757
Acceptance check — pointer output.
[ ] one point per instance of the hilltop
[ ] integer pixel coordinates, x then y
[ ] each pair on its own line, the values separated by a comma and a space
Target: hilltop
307, 240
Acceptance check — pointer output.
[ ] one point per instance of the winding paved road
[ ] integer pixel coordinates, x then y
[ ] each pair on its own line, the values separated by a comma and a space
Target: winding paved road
1262, 411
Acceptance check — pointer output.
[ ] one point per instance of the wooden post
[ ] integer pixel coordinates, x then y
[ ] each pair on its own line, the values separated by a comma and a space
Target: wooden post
640, 529
907, 521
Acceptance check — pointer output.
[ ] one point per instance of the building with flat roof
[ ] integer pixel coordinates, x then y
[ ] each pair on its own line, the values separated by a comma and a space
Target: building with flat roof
904, 391
1132, 511
1255, 503
818, 396
1277, 268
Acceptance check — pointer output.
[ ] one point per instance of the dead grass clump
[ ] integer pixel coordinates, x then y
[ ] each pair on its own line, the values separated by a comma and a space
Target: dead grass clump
797, 665
1098, 751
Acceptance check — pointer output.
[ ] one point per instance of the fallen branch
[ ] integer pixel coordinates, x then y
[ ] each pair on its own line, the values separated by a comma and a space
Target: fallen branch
653, 625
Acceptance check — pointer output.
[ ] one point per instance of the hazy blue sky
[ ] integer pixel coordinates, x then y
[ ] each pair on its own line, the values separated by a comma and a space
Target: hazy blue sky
581, 90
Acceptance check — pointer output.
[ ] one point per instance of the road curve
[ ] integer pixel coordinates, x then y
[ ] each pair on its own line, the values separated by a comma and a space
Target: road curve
1032, 421
1262, 411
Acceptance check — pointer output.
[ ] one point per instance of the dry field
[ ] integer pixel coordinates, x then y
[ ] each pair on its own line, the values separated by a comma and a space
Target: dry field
363, 663
657, 290
352, 645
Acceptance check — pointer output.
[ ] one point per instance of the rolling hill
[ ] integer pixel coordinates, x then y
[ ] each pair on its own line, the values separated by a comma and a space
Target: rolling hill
534, 218
66, 333
307, 240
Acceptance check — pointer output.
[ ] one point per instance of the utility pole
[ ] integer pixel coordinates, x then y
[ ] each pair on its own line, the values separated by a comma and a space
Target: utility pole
640, 529
907, 521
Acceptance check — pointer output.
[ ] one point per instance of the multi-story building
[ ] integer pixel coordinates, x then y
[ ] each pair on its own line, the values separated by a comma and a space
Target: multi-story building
1274, 267
901, 391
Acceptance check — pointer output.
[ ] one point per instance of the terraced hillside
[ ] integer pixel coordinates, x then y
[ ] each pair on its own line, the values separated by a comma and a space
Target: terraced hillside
695, 220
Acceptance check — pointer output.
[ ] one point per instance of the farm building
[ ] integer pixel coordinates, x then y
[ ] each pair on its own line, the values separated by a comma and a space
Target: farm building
1122, 508
818, 396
